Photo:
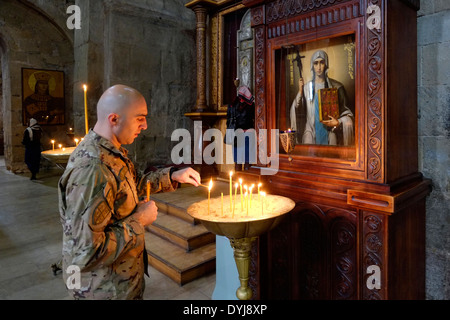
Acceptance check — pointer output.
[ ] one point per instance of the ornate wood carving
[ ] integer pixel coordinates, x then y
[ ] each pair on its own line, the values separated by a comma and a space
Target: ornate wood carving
201, 14
373, 252
375, 99
283, 9
307, 20
260, 100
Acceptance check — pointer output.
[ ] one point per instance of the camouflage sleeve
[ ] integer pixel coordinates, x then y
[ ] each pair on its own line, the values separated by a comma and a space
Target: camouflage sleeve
159, 182
89, 201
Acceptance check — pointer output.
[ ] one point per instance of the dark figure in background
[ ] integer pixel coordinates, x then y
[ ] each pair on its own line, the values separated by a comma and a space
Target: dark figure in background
242, 112
32, 142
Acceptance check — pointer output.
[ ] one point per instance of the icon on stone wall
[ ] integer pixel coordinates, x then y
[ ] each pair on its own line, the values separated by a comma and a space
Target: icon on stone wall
43, 96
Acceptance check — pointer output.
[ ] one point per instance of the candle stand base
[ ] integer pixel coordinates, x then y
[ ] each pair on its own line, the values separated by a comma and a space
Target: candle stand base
242, 254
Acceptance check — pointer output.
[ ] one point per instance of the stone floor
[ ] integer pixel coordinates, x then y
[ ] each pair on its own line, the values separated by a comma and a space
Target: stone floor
30, 242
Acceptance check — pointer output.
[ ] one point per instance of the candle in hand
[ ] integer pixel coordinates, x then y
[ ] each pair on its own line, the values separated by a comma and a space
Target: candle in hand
148, 190
86, 126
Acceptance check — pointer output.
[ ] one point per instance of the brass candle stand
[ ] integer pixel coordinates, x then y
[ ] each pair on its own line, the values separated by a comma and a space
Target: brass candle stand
241, 229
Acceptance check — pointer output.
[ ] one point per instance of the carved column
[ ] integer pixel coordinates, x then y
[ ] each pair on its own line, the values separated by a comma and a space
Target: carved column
201, 14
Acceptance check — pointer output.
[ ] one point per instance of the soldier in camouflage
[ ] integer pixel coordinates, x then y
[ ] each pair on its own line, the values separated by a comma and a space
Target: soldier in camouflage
102, 217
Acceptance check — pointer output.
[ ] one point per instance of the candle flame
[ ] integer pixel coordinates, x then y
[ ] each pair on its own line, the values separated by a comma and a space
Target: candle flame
210, 185
84, 87
52, 141
240, 181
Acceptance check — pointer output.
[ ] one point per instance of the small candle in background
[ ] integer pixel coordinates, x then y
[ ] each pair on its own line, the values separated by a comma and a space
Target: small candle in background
246, 202
263, 196
53, 144
231, 189
235, 196
60, 146
242, 200
76, 142
251, 188
221, 204
259, 187
209, 192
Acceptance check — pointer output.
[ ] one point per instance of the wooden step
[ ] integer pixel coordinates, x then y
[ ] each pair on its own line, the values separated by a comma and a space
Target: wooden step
176, 263
184, 234
177, 245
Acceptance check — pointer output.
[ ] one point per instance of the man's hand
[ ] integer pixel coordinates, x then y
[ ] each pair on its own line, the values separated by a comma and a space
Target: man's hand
187, 175
146, 212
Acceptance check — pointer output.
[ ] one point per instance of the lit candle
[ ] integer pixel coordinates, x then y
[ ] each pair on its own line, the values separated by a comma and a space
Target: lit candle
63, 149
245, 196
76, 142
148, 190
263, 194
231, 189
60, 146
235, 196
209, 192
86, 126
53, 144
259, 186
251, 187
242, 200
246, 201
221, 204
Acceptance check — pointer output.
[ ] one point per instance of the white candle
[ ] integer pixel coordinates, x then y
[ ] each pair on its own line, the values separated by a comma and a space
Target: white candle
209, 192
263, 194
242, 201
231, 189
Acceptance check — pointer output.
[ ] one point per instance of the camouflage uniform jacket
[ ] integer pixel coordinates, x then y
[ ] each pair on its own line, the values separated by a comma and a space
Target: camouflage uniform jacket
98, 193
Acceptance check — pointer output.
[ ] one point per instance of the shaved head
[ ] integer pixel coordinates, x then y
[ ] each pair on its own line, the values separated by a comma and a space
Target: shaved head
117, 99
121, 114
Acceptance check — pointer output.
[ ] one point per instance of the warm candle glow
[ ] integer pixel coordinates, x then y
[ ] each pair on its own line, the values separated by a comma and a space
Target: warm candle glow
235, 196
60, 146
86, 126
242, 200
263, 196
53, 144
209, 192
76, 141
259, 187
251, 188
148, 190
231, 189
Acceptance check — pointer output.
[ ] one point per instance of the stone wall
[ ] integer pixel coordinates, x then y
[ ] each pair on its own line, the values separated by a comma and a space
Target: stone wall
149, 45
29, 38
434, 138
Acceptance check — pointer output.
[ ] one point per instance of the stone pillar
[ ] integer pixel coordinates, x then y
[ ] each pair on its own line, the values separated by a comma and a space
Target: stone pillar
201, 14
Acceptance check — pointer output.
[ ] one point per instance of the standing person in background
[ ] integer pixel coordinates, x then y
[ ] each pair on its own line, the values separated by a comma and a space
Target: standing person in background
32, 142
